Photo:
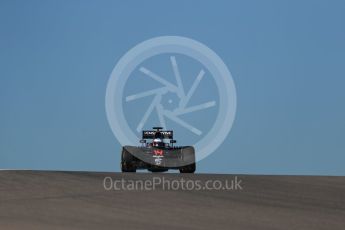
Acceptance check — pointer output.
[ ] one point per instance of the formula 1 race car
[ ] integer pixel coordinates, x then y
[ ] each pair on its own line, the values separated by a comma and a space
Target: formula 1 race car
159, 154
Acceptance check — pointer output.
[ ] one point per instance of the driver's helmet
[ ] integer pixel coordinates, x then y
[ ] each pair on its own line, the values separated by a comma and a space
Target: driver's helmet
157, 142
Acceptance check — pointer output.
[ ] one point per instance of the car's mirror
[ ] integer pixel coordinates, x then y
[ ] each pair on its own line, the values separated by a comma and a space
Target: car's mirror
142, 141
172, 141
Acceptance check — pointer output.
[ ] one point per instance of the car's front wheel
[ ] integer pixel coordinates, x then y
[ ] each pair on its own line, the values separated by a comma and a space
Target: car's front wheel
188, 168
127, 161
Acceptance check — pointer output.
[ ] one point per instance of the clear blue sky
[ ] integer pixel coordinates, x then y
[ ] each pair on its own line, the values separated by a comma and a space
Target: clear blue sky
287, 59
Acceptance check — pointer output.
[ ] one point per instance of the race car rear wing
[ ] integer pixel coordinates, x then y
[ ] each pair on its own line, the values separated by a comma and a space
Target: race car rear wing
149, 134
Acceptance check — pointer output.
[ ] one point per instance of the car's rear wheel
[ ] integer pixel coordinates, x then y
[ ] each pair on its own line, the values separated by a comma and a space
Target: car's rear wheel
127, 161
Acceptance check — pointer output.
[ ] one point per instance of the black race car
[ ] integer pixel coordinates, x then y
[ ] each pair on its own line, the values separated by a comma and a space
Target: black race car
159, 154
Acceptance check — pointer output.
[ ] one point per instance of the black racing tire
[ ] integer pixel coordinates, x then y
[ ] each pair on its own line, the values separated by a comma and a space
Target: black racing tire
188, 168
127, 161
188, 155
